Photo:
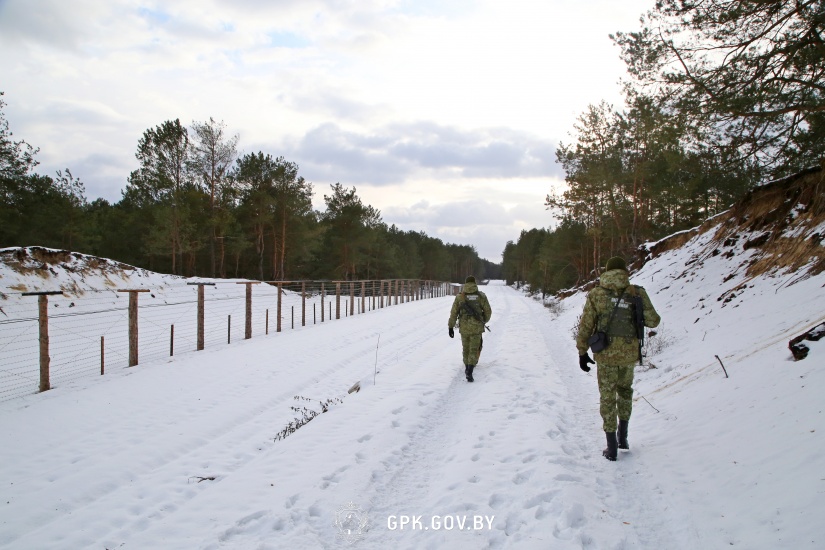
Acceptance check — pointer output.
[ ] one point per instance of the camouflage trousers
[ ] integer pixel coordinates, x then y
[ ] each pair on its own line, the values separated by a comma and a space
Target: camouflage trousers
616, 391
471, 347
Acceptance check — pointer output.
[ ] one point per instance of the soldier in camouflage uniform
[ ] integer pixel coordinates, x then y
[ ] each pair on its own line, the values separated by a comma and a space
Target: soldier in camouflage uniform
614, 297
472, 310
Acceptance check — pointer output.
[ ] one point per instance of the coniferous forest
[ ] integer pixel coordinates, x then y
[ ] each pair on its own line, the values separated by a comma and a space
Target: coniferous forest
195, 206
720, 96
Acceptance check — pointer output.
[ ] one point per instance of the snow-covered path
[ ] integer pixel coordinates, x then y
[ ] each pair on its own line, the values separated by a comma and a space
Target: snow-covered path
116, 462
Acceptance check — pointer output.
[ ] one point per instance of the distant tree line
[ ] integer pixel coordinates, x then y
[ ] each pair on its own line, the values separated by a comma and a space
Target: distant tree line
194, 206
721, 95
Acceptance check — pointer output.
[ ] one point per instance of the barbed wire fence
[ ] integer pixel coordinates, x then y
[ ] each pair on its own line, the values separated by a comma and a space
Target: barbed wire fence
49, 338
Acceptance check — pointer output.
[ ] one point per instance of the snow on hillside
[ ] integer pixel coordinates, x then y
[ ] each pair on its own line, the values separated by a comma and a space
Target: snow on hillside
196, 452
92, 306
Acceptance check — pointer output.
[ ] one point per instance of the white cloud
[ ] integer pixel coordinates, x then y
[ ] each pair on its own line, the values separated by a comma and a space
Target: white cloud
484, 214
403, 99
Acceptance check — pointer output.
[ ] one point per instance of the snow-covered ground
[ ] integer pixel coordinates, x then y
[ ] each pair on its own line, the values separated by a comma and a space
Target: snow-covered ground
185, 453
88, 323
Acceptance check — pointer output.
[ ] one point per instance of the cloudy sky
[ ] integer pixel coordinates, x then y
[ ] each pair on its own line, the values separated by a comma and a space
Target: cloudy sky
443, 114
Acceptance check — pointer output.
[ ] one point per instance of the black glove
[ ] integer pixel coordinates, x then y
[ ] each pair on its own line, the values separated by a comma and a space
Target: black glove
583, 361
450, 332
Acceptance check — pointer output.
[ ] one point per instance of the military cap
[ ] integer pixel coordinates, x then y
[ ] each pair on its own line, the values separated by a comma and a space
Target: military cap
616, 262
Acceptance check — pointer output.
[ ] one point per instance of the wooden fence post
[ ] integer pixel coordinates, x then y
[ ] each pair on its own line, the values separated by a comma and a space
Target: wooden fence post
303, 303
248, 327
133, 324
201, 322
199, 343
352, 298
337, 301
363, 295
322, 302
278, 322
43, 328
102, 353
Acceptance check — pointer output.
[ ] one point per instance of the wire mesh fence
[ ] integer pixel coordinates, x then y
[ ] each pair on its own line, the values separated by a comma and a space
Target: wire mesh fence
90, 331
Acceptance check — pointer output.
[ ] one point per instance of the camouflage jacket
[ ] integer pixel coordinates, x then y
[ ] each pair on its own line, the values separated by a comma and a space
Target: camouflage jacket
475, 299
624, 346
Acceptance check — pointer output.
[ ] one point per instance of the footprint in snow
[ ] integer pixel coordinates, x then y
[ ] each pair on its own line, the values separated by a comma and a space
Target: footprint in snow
522, 477
495, 501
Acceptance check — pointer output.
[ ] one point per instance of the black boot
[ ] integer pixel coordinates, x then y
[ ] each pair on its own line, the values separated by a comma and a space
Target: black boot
469, 372
612, 444
623, 444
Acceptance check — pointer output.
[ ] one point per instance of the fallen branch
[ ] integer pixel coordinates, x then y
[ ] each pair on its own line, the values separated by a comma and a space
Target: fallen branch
723, 366
648, 402
199, 478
